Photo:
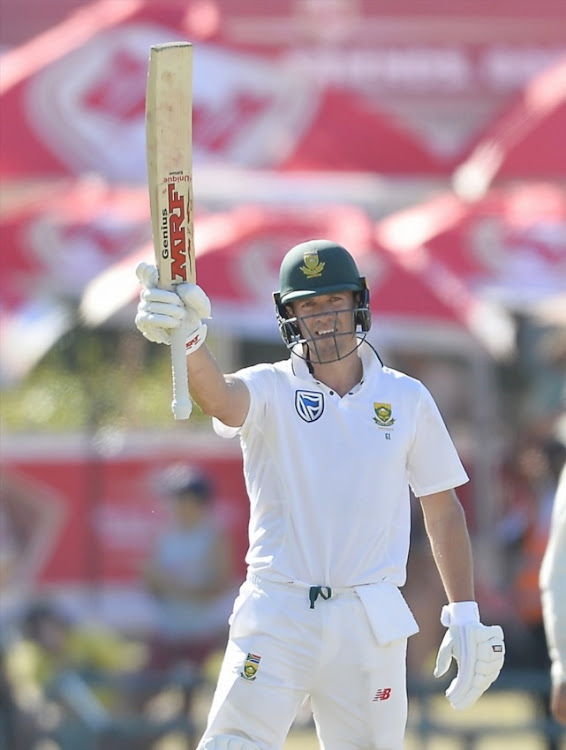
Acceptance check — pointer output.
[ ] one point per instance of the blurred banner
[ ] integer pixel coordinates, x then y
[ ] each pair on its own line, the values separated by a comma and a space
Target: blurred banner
80, 516
400, 88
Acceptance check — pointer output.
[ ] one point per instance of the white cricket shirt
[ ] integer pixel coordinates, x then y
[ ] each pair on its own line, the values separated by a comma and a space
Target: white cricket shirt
328, 477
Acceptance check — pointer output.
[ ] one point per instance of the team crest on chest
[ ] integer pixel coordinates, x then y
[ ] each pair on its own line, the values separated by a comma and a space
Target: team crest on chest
309, 405
383, 415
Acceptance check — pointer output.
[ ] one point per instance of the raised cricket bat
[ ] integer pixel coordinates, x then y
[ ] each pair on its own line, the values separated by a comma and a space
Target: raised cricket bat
169, 130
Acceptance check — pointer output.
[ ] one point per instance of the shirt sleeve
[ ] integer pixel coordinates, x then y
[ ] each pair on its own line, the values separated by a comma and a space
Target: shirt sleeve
433, 462
553, 584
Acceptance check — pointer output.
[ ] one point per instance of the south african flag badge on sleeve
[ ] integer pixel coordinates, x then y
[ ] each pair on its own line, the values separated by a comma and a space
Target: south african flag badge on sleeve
250, 667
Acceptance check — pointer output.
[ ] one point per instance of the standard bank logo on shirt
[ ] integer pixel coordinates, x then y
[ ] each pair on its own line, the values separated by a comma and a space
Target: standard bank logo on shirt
309, 405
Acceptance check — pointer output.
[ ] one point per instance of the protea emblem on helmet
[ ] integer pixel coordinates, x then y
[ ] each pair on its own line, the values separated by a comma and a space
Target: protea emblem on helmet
313, 265
383, 414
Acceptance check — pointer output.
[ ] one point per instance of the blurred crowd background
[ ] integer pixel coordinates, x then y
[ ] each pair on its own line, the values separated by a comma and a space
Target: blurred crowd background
428, 138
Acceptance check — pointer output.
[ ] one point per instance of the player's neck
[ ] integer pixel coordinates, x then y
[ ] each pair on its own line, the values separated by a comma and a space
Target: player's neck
340, 376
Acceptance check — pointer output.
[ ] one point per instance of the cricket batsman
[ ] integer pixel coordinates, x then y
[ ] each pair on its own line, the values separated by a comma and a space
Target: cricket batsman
332, 443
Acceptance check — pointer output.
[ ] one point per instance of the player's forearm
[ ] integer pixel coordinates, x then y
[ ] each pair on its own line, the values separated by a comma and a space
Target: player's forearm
447, 531
208, 386
218, 395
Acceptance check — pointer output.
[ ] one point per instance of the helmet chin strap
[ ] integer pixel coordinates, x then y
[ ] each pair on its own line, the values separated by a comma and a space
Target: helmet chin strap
318, 361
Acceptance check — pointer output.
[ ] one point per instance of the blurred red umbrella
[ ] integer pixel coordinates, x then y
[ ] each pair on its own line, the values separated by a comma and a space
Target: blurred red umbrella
77, 242
349, 133
526, 142
509, 247
56, 238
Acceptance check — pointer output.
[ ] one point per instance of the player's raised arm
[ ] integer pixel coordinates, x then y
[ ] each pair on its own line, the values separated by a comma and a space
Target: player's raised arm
160, 312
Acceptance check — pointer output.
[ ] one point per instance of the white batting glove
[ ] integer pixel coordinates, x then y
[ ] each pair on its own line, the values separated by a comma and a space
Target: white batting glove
160, 311
478, 649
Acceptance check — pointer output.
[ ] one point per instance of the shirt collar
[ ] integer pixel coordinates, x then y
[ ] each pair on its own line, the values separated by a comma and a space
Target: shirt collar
370, 362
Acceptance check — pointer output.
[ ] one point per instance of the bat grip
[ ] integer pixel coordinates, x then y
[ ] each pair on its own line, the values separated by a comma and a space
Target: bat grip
181, 406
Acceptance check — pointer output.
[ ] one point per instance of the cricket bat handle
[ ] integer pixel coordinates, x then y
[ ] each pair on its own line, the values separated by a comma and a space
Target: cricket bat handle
181, 406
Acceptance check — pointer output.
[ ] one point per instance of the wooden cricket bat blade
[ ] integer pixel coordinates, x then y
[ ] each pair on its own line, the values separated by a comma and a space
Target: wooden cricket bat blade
168, 124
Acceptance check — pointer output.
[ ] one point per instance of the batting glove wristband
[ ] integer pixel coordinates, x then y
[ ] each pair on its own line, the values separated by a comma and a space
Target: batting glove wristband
160, 311
479, 651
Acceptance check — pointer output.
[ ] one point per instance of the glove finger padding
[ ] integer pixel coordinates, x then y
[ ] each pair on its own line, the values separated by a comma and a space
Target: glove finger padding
159, 312
195, 299
480, 652
465, 653
444, 657
147, 275
162, 302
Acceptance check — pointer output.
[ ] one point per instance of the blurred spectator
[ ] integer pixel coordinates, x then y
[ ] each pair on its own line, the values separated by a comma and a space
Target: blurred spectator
190, 576
553, 591
545, 400
17, 726
53, 660
541, 464
524, 533
30, 521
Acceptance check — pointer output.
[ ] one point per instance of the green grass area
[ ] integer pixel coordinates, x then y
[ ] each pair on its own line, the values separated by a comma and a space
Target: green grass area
497, 710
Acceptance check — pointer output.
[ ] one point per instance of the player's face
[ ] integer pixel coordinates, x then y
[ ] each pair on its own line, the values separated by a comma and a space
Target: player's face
327, 324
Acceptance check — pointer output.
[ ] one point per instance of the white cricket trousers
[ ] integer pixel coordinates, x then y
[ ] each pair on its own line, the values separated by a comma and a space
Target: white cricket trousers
281, 650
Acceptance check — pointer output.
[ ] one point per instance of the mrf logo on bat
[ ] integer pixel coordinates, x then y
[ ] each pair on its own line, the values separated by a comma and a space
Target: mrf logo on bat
176, 218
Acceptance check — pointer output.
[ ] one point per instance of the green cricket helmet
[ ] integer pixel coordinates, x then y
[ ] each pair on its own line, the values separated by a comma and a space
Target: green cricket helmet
318, 267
